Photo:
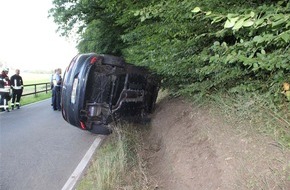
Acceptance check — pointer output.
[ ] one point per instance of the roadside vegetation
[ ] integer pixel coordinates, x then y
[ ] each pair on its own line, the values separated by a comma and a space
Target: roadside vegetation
257, 112
119, 163
199, 48
25, 100
233, 55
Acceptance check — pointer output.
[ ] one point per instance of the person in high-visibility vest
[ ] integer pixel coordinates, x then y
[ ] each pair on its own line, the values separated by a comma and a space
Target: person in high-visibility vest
17, 89
4, 90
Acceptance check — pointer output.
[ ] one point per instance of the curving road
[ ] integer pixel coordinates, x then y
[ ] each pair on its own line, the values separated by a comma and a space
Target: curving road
38, 149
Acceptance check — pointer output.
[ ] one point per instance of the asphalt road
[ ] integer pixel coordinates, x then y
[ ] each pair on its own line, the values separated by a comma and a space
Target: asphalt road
38, 149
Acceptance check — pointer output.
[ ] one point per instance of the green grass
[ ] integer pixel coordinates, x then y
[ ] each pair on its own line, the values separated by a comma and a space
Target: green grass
257, 112
117, 164
35, 98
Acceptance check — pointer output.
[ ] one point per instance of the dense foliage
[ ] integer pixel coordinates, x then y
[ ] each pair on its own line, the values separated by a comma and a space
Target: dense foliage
198, 47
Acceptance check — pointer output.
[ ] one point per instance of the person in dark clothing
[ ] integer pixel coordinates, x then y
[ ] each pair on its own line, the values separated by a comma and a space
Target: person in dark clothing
4, 90
57, 83
51, 86
17, 89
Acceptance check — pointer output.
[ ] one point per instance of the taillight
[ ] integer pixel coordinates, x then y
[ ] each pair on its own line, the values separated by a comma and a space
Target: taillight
95, 59
83, 126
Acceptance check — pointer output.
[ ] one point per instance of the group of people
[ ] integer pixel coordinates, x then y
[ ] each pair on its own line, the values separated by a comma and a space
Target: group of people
10, 88
56, 84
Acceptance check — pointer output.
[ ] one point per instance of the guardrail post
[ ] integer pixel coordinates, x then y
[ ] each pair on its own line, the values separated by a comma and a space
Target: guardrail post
35, 90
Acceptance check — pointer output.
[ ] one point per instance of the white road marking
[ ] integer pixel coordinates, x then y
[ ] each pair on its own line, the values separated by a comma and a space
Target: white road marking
71, 182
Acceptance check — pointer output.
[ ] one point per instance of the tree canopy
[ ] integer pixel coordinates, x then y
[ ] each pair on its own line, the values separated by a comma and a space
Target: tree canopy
198, 47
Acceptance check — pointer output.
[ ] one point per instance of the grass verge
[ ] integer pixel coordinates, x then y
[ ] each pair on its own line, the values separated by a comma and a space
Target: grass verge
34, 98
252, 113
118, 163
258, 113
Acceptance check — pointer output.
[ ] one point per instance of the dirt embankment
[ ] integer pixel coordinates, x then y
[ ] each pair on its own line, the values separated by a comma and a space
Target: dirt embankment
190, 148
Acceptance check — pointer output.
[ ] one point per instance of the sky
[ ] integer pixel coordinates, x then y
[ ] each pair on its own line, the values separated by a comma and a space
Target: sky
28, 38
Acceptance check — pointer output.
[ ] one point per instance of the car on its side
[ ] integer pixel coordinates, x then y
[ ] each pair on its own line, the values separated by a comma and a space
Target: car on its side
99, 89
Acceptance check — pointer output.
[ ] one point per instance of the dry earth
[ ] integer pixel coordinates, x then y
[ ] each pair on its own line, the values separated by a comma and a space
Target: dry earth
190, 148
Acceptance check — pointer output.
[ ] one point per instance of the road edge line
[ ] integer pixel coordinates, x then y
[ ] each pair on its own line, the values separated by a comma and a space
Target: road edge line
72, 180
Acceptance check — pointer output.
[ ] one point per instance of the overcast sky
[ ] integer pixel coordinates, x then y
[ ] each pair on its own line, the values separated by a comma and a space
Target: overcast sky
28, 39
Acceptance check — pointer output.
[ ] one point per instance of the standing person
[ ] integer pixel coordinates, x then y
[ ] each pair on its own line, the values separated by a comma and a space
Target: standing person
17, 89
4, 90
51, 86
57, 82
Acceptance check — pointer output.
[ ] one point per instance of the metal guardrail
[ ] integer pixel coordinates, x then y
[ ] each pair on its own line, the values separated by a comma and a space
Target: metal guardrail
42, 87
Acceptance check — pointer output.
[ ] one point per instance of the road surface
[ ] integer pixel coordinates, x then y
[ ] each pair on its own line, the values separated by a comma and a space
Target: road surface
38, 149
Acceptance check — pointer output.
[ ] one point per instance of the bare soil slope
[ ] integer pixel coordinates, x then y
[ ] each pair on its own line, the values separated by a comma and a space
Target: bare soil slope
190, 148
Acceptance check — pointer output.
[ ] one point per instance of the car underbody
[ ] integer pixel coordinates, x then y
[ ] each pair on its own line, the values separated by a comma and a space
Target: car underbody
100, 89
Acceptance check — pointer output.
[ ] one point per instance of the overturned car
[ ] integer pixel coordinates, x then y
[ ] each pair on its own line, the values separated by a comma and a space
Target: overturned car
99, 89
